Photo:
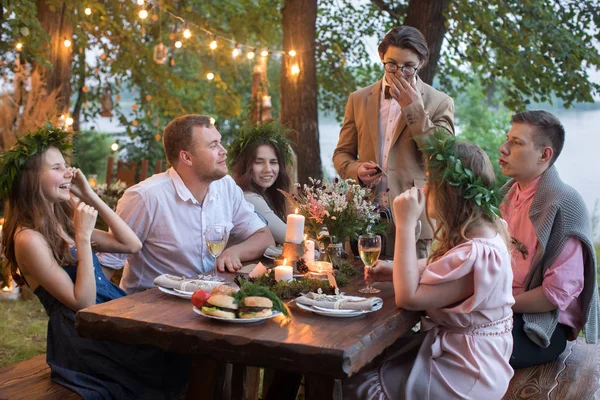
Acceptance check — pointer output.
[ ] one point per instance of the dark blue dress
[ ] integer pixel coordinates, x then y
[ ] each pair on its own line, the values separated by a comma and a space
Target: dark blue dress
102, 369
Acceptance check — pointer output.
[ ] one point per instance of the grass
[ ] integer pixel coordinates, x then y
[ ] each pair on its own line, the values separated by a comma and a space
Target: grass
23, 327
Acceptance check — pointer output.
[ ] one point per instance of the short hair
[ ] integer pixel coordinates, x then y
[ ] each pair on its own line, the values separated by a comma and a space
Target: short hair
548, 130
178, 135
405, 37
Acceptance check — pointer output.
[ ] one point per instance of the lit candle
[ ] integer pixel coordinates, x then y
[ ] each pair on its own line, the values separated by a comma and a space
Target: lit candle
295, 228
309, 253
284, 273
266, 101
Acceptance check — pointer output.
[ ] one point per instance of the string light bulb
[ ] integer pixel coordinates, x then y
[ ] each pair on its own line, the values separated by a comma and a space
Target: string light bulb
250, 55
68, 121
88, 11
187, 33
213, 45
292, 53
295, 69
140, 2
178, 44
19, 46
67, 43
235, 52
264, 53
143, 14
212, 121
114, 146
210, 76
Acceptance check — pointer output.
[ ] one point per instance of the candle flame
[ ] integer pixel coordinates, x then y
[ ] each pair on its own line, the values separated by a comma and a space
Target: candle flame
284, 261
305, 236
296, 211
6, 289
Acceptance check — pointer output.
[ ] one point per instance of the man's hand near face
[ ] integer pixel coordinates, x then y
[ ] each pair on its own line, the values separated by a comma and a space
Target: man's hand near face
404, 92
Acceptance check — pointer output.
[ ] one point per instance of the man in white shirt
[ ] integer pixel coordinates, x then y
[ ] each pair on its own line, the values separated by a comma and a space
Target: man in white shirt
171, 211
383, 120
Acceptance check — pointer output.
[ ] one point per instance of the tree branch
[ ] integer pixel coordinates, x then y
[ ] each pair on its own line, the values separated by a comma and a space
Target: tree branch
395, 12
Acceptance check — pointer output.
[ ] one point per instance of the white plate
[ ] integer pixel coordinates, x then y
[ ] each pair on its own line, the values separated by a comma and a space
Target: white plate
271, 255
237, 320
183, 295
327, 312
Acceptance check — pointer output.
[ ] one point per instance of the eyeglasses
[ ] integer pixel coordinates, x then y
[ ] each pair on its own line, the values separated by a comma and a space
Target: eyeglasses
407, 70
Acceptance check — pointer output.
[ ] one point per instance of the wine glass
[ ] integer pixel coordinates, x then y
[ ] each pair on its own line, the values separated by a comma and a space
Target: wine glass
216, 238
369, 247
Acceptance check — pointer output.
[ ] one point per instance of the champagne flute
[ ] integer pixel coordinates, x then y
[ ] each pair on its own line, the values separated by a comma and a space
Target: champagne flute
216, 239
369, 247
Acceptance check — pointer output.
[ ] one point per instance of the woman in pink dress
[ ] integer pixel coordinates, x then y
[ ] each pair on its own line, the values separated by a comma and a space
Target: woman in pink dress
464, 287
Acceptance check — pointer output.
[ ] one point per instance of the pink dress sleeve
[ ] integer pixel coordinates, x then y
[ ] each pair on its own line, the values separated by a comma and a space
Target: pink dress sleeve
563, 281
489, 262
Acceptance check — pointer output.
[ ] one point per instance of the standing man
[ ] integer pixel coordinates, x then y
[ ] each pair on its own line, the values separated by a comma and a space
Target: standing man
383, 121
554, 263
170, 211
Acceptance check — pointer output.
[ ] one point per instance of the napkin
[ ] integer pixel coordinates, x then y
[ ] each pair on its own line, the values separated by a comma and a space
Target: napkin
273, 251
339, 302
180, 283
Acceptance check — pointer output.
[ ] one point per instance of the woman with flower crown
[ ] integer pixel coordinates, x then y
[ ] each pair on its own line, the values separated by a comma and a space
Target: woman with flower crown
49, 241
257, 160
464, 286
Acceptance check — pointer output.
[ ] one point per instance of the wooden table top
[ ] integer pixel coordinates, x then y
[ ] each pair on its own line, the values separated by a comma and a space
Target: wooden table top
306, 342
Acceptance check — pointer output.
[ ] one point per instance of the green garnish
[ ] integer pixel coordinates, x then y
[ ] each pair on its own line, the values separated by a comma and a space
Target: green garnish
254, 289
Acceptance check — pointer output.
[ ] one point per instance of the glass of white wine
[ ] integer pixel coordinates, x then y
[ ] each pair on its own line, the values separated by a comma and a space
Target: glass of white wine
216, 239
369, 247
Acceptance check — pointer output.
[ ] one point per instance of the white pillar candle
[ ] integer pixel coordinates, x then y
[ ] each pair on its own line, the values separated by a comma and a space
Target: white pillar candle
284, 273
294, 231
309, 254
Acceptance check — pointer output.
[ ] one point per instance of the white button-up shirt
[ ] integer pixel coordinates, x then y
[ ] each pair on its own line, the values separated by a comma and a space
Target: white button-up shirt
389, 117
171, 224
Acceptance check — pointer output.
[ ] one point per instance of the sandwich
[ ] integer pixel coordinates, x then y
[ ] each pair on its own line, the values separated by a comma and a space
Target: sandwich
220, 305
224, 289
255, 307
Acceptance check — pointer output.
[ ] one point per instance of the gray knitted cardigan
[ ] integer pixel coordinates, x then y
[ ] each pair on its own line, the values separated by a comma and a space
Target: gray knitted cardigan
557, 213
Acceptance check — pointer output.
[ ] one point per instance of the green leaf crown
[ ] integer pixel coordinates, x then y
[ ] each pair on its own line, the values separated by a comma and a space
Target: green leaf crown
441, 156
13, 160
269, 133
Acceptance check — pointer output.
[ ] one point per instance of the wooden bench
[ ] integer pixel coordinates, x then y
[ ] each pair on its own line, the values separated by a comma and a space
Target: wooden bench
575, 375
30, 379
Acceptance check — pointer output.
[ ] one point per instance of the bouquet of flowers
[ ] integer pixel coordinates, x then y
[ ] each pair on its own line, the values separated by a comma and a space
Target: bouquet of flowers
338, 209
110, 194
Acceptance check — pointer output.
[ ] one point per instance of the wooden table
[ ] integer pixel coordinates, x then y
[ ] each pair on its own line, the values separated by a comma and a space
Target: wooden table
322, 348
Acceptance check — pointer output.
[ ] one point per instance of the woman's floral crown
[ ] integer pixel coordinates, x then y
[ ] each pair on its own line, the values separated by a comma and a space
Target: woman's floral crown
441, 156
269, 133
27, 146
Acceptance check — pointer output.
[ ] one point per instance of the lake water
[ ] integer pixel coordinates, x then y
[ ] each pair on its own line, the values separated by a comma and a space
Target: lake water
578, 165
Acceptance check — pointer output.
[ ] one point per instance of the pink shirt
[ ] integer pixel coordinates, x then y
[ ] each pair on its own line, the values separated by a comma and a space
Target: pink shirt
563, 281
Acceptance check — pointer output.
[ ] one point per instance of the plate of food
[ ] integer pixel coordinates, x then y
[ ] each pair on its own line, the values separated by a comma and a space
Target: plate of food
251, 309
175, 292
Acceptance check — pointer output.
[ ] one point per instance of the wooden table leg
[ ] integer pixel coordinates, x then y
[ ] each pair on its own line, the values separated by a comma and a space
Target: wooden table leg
206, 376
318, 387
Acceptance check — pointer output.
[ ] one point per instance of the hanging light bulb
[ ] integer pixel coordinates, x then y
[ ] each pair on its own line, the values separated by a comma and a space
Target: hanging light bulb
68, 121
140, 2
210, 76
143, 14
19, 46
67, 43
178, 44
88, 11
292, 53
114, 146
235, 52
213, 45
212, 121
264, 53
295, 69
250, 55
187, 33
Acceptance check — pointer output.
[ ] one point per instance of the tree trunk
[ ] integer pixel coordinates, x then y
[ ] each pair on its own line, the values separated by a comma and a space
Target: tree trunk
428, 16
54, 20
299, 91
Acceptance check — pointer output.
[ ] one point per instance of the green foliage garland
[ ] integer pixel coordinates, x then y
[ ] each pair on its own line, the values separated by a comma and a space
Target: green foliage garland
271, 133
27, 146
439, 150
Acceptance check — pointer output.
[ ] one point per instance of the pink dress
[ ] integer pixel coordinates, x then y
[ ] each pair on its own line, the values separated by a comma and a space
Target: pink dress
463, 351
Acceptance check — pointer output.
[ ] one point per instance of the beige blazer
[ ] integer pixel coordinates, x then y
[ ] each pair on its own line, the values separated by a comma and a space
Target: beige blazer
359, 138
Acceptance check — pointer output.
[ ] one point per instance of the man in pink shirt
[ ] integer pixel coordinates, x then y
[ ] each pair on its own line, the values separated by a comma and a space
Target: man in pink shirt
554, 264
